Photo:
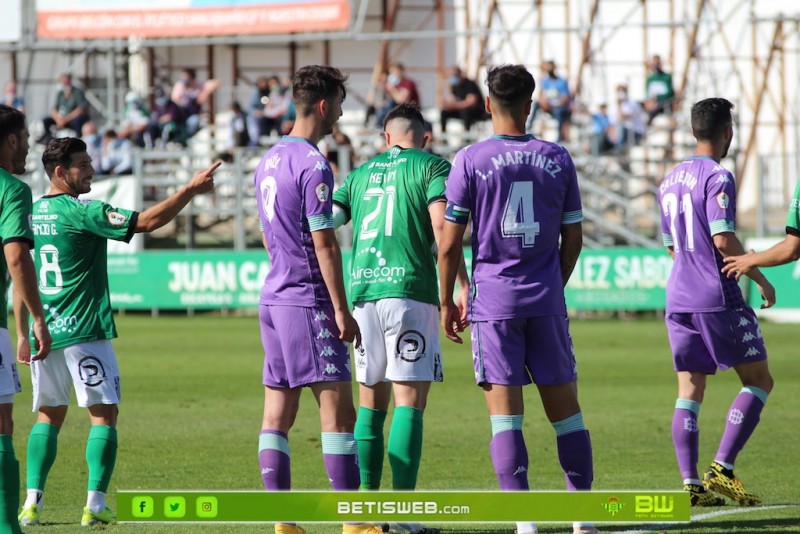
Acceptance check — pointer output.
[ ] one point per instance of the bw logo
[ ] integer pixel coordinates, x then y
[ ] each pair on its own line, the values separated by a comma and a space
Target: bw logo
646, 504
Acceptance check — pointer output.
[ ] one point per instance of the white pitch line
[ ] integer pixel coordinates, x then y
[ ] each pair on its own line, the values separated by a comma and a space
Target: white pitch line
707, 515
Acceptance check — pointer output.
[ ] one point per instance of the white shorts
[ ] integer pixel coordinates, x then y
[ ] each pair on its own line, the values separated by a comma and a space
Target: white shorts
400, 341
91, 368
9, 375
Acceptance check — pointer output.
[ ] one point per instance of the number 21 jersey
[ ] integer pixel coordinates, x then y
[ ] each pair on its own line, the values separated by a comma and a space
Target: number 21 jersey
519, 190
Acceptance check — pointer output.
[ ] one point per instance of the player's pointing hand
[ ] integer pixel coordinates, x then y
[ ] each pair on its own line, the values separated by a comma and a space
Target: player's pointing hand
203, 181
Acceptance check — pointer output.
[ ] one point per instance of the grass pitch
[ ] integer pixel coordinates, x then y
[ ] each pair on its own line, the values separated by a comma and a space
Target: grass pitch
192, 402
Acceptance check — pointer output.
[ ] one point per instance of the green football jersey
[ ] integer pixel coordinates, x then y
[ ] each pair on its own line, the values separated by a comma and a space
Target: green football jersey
387, 199
70, 237
793, 218
15, 225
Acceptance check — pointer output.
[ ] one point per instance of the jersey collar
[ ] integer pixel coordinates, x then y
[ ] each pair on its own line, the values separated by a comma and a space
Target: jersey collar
525, 137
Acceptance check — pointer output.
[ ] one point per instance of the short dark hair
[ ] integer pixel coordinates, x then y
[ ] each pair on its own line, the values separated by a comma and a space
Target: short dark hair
12, 121
510, 85
710, 117
59, 152
313, 83
409, 111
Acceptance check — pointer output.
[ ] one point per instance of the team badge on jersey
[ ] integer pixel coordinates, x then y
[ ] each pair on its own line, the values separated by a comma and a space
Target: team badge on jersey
723, 200
116, 218
323, 192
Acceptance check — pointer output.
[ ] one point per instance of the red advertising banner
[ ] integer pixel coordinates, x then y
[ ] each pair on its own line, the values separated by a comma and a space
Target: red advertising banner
283, 17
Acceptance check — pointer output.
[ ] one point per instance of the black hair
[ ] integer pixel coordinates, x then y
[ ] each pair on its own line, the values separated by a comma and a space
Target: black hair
510, 85
710, 117
409, 111
313, 83
12, 121
59, 152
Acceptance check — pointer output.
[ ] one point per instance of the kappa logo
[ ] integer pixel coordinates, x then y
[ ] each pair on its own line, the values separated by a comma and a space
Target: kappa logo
483, 176
313, 153
748, 337
266, 471
321, 166
331, 369
573, 474
520, 469
116, 218
327, 351
723, 179
320, 316
272, 162
743, 322
752, 351
324, 334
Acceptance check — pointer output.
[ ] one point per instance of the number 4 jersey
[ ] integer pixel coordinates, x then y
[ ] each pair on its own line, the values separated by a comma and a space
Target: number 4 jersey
387, 199
519, 190
70, 237
698, 201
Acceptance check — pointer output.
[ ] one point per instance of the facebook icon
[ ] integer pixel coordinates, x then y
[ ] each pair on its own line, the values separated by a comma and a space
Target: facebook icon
142, 507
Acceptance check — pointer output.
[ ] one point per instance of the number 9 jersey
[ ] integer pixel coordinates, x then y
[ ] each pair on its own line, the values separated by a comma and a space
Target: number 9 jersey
520, 191
70, 237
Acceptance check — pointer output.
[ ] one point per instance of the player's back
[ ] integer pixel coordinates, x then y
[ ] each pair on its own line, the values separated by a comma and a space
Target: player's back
521, 190
698, 201
293, 186
388, 199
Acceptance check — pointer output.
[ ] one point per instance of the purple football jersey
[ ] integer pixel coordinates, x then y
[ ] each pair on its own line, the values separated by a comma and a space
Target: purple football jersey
293, 185
519, 190
698, 201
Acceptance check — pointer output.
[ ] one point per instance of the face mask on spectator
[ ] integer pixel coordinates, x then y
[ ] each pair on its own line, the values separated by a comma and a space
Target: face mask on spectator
621, 95
393, 79
454, 80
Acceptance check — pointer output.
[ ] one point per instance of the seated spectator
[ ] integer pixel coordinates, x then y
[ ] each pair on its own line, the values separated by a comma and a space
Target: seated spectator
555, 99
190, 96
164, 125
268, 105
238, 127
428, 147
600, 135
71, 110
631, 126
399, 90
117, 154
338, 145
12, 99
376, 96
135, 119
94, 145
290, 113
464, 101
659, 91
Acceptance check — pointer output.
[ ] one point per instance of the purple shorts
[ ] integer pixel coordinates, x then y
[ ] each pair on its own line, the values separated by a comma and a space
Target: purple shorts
302, 346
705, 342
516, 352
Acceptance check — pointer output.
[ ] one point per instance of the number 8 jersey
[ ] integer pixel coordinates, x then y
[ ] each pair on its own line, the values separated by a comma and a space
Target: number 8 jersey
519, 190
70, 237
698, 201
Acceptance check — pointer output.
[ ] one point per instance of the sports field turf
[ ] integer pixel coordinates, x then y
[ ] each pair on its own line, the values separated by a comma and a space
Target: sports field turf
192, 402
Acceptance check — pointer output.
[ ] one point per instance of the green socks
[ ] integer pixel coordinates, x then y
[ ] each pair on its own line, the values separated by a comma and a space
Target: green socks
9, 486
369, 437
405, 447
42, 448
101, 455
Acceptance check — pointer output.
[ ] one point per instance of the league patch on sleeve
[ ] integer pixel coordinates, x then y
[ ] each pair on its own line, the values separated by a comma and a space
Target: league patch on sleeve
116, 218
723, 200
323, 192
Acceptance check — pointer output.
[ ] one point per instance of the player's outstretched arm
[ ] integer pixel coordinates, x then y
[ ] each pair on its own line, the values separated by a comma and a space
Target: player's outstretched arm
166, 210
23, 274
450, 255
570, 249
330, 263
781, 253
729, 245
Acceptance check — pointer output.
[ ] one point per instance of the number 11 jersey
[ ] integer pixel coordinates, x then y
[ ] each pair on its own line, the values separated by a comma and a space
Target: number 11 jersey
519, 191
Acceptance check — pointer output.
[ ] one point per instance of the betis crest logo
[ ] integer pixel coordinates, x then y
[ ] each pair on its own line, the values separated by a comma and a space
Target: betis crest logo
613, 506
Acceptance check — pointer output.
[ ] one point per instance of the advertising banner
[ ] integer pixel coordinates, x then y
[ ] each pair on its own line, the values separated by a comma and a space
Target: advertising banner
610, 279
94, 19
